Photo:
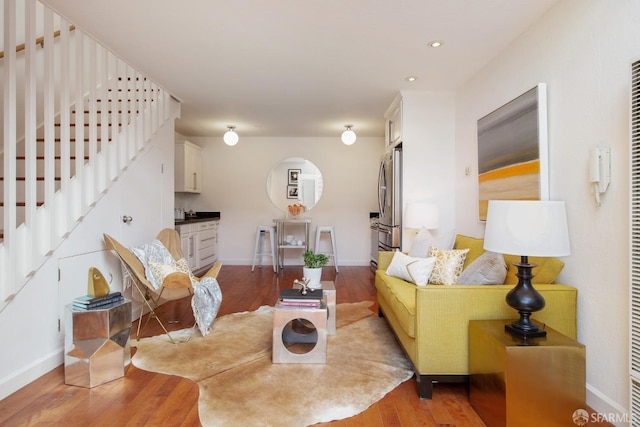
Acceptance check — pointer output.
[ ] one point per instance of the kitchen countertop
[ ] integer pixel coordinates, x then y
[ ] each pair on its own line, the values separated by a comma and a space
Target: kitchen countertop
200, 217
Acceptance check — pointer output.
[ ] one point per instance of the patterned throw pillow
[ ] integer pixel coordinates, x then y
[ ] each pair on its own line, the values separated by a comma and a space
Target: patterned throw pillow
448, 265
414, 270
183, 267
160, 271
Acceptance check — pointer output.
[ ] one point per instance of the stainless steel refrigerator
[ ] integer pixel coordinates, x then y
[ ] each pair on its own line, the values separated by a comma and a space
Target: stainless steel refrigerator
390, 201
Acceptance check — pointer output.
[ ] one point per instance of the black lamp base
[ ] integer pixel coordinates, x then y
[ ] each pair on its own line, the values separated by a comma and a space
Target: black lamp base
526, 300
517, 332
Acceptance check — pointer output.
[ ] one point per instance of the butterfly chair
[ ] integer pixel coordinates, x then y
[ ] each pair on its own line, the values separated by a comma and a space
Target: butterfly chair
176, 285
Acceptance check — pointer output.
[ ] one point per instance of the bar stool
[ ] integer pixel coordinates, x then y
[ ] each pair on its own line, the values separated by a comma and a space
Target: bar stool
258, 249
334, 249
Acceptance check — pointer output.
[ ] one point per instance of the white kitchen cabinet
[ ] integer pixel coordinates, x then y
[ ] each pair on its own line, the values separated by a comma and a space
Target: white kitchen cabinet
199, 244
188, 167
188, 245
394, 122
207, 243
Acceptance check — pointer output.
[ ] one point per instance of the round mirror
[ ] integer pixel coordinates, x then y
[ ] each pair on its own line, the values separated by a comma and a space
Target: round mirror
294, 181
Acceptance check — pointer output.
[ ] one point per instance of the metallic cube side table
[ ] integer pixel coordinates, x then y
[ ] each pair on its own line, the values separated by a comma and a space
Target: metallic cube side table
329, 293
283, 334
96, 345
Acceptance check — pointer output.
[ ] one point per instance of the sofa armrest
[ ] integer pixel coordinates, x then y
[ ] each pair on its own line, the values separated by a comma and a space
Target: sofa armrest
443, 314
384, 259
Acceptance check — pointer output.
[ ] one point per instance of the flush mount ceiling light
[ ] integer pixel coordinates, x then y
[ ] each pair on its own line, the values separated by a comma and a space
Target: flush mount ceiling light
348, 136
436, 43
411, 79
230, 136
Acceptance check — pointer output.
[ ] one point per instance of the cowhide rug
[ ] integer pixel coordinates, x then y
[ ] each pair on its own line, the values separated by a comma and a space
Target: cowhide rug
240, 386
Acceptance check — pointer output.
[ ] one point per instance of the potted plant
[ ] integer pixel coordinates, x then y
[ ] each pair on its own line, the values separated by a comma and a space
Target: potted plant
312, 269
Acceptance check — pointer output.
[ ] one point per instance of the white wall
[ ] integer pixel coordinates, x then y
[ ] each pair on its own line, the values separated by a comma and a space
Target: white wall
428, 134
582, 49
234, 183
32, 344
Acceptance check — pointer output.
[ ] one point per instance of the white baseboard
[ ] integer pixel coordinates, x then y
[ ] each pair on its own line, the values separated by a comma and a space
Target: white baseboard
607, 408
30, 373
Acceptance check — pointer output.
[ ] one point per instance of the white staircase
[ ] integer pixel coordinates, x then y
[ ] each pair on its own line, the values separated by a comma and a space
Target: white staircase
74, 116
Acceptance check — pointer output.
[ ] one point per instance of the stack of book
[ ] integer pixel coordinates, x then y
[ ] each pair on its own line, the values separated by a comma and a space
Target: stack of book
294, 298
88, 302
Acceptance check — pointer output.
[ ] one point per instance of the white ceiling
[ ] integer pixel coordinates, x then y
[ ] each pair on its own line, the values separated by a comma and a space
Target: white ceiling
300, 67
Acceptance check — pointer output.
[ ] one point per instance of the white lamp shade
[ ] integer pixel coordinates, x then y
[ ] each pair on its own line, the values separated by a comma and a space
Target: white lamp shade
527, 228
230, 137
422, 215
348, 137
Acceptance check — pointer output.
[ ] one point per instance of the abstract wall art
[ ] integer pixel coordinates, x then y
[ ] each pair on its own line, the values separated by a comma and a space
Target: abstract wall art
513, 151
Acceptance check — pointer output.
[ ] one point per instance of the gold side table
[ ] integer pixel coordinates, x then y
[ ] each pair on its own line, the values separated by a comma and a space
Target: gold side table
520, 383
96, 345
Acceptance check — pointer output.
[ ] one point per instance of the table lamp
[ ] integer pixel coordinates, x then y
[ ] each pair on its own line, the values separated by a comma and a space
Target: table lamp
526, 228
422, 215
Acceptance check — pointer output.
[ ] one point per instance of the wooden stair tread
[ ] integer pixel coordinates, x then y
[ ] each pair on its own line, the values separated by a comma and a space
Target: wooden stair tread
38, 178
85, 124
55, 157
22, 204
70, 140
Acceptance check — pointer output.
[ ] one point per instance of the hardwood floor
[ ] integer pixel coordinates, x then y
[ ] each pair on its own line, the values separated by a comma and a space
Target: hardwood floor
144, 398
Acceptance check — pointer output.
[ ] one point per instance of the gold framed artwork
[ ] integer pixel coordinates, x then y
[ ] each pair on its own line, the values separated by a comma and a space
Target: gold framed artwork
513, 151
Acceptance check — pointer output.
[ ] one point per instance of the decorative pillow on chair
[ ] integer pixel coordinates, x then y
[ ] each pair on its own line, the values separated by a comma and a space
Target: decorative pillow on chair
183, 267
414, 270
448, 265
153, 252
488, 269
161, 271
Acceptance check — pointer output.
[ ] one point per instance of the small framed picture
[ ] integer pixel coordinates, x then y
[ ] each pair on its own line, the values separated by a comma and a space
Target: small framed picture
293, 176
292, 191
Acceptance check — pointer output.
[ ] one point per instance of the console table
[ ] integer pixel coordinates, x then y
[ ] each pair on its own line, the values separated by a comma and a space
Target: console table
284, 224
519, 383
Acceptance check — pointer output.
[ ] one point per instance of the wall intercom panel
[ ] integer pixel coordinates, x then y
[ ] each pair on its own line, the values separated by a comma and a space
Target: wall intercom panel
600, 170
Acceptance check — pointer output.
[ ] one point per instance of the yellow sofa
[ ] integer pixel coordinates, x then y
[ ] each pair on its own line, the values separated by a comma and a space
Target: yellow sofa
431, 322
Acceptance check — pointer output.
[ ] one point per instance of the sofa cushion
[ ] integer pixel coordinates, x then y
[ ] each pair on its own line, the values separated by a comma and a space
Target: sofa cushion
401, 296
441, 239
475, 246
411, 269
488, 269
448, 265
547, 270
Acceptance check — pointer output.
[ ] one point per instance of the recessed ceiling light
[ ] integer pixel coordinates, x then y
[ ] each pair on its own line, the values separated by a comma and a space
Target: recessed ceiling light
411, 79
436, 43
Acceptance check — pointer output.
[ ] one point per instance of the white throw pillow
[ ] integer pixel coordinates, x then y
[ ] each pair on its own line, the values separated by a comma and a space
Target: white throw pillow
488, 269
414, 270
441, 239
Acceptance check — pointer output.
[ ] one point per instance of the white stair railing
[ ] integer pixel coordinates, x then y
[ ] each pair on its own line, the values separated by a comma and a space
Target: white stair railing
74, 116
